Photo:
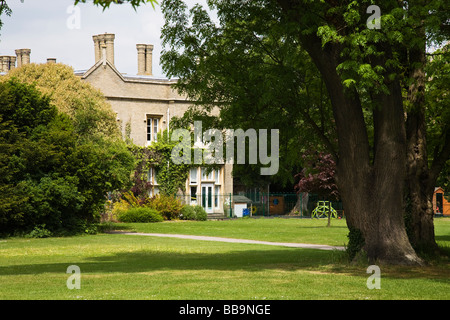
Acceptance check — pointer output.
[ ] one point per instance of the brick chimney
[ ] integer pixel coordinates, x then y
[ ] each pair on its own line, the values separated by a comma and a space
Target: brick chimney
106, 39
23, 57
7, 63
145, 59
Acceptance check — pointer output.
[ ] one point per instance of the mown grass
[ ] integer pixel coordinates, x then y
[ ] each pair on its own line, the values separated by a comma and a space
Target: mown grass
274, 229
139, 267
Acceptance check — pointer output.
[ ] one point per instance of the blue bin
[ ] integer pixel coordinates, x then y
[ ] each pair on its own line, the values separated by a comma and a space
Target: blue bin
246, 212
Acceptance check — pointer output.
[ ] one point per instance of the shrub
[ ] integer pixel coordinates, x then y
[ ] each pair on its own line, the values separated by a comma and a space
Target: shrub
200, 213
187, 213
39, 232
141, 214
169, 206
119, 206
193, 213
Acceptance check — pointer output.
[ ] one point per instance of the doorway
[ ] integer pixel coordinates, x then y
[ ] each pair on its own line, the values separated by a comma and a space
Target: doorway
207, 197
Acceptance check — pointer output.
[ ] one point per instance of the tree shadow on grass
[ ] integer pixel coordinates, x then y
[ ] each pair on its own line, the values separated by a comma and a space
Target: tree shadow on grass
154, 260
251, 259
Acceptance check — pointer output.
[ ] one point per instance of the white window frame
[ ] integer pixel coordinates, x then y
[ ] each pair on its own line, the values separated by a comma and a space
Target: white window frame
217, 176
150, 128
209, 177
216, 196
191, 180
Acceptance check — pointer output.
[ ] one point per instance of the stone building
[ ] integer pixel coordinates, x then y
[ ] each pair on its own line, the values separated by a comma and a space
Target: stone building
145, 104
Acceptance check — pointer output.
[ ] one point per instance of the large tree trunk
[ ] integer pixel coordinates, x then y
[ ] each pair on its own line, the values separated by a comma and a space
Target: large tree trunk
372, 193
419, 182
419, 186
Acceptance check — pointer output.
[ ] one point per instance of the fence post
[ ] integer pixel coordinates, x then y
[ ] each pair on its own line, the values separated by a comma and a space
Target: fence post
230, 212
301, 205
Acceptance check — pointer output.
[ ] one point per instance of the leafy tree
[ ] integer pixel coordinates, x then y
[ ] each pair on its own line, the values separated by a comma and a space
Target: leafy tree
372, 77
4, 10
256, 89
318, 176
51, 175
107, 3
92, 115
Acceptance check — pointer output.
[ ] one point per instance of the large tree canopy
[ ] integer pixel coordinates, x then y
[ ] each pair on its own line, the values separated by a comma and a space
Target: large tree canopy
271, 63
92, 115
53, 176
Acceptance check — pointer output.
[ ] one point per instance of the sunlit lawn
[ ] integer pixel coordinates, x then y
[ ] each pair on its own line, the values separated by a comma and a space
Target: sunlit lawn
139, 267
274, 229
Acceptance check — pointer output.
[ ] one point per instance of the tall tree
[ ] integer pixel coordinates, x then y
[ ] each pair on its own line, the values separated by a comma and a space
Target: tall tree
393, 57
368, 74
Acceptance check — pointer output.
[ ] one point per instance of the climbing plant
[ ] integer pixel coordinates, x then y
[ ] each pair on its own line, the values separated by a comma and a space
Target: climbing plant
171, 177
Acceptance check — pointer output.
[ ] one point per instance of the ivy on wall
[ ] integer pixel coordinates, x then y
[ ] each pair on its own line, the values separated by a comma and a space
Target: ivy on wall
171, 177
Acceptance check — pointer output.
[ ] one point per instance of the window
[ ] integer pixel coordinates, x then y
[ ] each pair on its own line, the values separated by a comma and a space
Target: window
193, 176
193, 195
151, 177
216, 196
152, 129
217, 176
207, 176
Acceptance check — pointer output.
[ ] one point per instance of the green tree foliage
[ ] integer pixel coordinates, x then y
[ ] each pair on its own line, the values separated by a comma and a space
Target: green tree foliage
107, 3
252, 69
50, 175
5, 10
438, 111
263, 62
91, 114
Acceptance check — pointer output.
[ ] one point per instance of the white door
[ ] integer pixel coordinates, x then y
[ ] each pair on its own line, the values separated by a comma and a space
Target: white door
207, 197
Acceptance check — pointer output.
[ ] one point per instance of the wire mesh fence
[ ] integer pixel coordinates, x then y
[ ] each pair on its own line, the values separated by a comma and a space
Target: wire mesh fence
303, 205
264, 204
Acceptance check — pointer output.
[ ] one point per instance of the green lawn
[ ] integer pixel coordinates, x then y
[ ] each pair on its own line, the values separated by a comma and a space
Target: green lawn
139, 267
276, 229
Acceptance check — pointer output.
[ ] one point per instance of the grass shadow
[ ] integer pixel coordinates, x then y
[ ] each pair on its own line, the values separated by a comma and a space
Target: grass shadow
154, 260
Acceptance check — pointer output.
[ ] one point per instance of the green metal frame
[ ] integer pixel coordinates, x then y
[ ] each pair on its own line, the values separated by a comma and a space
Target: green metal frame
323, 209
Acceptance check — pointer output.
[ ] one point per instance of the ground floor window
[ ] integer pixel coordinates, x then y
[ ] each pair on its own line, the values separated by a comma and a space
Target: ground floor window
151, 177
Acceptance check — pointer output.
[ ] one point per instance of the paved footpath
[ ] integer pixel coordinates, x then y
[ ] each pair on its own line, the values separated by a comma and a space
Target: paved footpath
220, 239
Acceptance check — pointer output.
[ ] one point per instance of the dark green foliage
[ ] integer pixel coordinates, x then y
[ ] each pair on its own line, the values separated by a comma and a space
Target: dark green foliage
140, 214
355, 242
106, 3
49, 175
252, 68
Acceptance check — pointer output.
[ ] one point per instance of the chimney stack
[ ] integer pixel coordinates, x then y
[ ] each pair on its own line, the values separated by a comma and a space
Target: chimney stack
145, 59
23, 57
7, 63
51, 60
106, 39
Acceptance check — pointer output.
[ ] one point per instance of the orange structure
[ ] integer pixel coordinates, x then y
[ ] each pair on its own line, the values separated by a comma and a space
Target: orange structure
440, 204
